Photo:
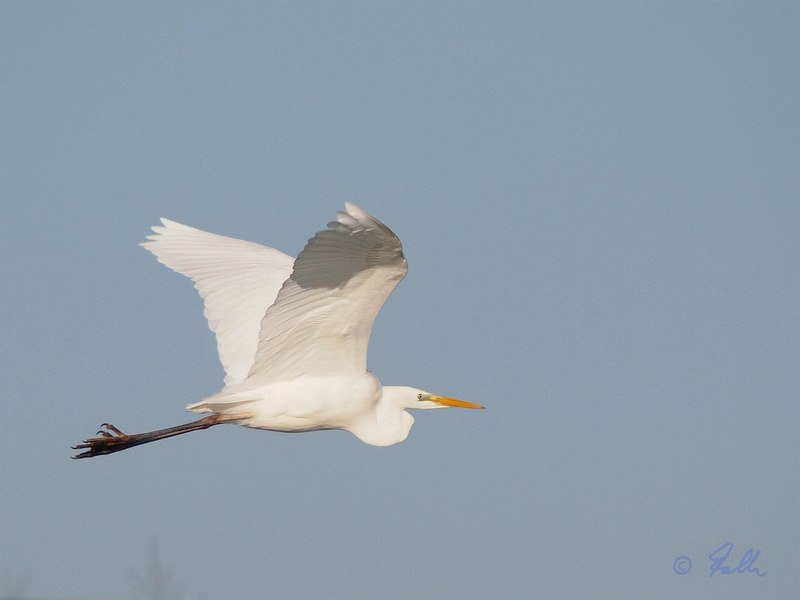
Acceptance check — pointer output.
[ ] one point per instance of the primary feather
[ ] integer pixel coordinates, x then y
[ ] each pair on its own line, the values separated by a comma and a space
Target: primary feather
237, 280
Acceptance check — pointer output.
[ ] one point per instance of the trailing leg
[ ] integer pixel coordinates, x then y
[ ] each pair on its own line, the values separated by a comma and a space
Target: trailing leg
113, 440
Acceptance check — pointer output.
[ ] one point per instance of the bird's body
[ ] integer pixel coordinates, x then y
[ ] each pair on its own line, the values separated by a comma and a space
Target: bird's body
293, 334
304, 404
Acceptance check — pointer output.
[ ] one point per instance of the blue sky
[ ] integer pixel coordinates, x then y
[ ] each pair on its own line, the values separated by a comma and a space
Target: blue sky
599, 205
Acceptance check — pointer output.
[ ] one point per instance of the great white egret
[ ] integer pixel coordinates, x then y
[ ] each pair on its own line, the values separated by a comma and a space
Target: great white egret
292, 334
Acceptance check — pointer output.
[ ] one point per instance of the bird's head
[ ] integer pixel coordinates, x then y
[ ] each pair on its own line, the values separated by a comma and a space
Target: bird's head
408, 397
392, 420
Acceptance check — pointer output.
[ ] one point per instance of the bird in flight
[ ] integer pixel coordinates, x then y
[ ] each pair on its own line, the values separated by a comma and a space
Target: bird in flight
292, 334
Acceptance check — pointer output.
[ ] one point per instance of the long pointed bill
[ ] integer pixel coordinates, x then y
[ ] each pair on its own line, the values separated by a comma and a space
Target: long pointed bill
452, 402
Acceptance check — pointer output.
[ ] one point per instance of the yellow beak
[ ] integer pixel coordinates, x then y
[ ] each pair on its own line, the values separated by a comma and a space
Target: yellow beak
452, 402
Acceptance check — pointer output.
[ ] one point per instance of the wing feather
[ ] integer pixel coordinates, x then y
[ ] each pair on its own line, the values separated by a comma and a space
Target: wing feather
237, 280
322, 318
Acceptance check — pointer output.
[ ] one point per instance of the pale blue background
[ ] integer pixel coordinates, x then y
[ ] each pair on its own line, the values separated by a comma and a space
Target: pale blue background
599, 205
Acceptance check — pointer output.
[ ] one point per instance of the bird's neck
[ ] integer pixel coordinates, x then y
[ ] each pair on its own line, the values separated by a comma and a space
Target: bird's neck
389, 423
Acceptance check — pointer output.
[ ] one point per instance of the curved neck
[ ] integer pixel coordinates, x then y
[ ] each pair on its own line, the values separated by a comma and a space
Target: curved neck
389, 423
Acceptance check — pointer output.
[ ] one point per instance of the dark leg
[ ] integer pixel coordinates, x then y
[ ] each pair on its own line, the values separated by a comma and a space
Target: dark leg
113, 440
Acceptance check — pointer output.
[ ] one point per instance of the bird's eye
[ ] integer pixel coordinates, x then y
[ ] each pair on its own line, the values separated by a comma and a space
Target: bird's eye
419, 396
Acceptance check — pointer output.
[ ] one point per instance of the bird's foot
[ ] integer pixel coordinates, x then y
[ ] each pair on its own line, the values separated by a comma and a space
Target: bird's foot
111, 440
111, 428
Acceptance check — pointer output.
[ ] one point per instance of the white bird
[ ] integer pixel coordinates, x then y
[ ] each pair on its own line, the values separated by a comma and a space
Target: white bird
292, 334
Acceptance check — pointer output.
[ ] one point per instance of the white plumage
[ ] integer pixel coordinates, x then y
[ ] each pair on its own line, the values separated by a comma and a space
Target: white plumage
292, 334
236, 280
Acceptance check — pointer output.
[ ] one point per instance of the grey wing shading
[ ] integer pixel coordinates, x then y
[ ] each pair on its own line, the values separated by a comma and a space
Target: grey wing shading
322, 319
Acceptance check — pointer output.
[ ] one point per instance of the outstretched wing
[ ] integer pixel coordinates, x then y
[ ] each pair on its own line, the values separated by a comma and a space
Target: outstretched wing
237, 280
323, 316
